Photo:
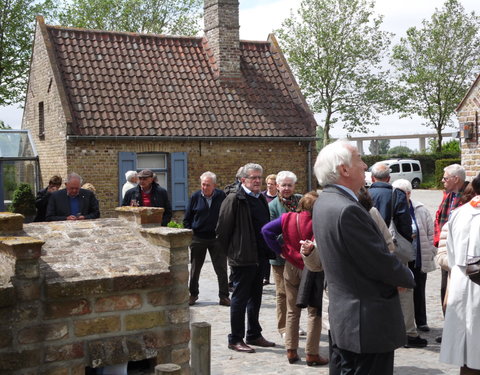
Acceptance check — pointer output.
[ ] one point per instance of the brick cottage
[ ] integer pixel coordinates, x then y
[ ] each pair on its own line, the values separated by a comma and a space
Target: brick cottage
468, 112
100, 103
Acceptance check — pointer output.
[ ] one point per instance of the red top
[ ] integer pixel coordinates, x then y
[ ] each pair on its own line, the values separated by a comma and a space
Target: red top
146, 199
293, 233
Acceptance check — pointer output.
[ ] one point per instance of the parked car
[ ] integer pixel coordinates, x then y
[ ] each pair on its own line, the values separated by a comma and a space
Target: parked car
408, 169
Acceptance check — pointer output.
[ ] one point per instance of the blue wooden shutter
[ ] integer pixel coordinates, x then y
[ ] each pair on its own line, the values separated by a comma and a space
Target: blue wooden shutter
179, 180
127, 161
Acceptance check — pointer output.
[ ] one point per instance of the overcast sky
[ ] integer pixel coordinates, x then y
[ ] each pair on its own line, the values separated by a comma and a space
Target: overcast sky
259, 17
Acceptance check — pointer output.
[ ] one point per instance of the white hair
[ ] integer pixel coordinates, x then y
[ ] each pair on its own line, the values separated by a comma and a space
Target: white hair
250, 166
130, 175
381, 171
330, 158
283, 175
402, 184
209, 175
74, 176
455, 170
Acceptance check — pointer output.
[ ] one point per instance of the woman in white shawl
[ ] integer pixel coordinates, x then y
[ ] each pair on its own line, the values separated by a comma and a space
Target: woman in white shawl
461, 332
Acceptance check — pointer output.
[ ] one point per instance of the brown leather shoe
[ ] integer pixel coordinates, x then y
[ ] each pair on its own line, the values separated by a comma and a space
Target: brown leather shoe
261, 341
292, 356
224, 301
241, 347
316, 360
192, 300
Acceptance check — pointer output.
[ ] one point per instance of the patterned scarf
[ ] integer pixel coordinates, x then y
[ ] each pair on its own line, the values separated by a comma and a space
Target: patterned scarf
450, 202
290, 203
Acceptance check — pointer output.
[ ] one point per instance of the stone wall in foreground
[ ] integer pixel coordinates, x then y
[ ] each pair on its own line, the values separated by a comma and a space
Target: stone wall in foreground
92, 293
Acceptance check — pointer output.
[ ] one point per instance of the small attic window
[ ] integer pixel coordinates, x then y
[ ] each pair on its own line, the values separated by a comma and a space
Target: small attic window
41, 120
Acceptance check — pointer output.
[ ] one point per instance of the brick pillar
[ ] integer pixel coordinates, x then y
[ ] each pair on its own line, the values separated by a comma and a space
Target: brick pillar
141, 215
222, 32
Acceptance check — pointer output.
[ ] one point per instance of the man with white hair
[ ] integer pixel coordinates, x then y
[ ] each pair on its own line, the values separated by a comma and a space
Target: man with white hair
132, 181
366, 322
242, 216
454, 184
72, 203
201, 216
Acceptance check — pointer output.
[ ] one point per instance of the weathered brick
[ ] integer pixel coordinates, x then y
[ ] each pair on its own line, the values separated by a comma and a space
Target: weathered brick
55, 371
142, 281
145, 320
10, 222
114, 303
64, 352
107, 351
96, 326
43, 332
22, 247
15, 360
27, 289
156, 339
57, 290
179, 315
5, 338
61, 309
180, 356
180, 275
180, 334
27, 269
7, 296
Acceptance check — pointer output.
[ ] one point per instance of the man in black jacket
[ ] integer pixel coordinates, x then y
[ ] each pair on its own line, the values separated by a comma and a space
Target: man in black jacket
149, 194
201, 216
72, 203
41, 200
242, 215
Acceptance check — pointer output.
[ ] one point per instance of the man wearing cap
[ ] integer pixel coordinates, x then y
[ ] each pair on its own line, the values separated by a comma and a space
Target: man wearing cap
149, 194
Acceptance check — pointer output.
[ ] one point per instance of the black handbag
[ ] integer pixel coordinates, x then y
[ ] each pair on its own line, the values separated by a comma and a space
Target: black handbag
473, 269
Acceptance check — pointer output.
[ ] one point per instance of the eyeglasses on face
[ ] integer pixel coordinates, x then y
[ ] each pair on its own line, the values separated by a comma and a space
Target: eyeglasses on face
254, 177
446, 178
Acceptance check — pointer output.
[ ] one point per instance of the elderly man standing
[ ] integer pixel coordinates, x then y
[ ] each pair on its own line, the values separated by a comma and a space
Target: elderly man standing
149, 194
242, 216
366, 322
454, 184
132, 181
201, 216
72, 203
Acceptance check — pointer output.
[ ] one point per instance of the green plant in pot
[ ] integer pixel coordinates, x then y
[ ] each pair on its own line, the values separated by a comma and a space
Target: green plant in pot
23, 202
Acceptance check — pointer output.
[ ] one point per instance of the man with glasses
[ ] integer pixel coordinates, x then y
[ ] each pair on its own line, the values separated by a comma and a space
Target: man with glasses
149, 194
242, 215
454, 184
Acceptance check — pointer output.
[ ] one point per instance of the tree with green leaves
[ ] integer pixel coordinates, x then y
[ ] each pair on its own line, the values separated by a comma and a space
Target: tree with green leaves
400, 150
176, 17
17, 21
435, 64
335, 48
379, 146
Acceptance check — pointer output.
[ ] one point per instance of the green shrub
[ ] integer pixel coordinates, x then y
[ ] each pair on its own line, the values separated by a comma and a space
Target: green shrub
23, 201
174, 224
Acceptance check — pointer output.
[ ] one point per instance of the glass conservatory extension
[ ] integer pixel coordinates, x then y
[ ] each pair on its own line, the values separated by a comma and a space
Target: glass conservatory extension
18, 164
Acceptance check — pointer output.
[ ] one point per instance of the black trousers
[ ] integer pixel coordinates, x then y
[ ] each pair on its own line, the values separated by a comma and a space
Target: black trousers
246, 298
443, 288
198, 251
419, 297
344, 362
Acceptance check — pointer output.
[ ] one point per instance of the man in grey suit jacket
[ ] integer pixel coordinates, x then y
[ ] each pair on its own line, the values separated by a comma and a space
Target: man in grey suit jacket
366, 323
72, 203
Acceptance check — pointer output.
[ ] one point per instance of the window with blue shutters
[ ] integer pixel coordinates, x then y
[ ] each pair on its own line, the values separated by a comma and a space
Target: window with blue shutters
170, 169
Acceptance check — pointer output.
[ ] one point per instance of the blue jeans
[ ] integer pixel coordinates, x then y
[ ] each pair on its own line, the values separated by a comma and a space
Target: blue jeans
246, 297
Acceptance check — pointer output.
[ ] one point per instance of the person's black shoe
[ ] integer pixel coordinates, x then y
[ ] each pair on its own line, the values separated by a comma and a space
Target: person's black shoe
424, 328
438, 339
416, 342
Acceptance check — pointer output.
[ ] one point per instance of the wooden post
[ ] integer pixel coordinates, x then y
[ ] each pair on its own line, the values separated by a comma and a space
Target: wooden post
201, 347
168, 369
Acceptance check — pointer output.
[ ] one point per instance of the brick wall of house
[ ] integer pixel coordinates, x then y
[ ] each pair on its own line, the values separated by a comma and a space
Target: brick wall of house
83, 294
42, 87
469, 113
97, 161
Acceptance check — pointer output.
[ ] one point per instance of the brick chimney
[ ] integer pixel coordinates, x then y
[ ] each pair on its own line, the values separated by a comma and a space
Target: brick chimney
222, 32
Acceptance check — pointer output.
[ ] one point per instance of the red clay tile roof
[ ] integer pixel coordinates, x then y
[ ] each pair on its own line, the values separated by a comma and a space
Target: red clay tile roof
125, 84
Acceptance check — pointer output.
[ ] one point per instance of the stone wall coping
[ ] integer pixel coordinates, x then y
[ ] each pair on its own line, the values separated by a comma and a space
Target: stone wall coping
141, 215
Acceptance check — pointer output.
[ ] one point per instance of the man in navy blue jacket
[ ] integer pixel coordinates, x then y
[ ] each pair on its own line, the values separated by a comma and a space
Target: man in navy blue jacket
201, 216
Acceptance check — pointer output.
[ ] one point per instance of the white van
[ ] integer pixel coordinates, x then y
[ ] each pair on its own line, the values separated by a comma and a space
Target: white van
408, 169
